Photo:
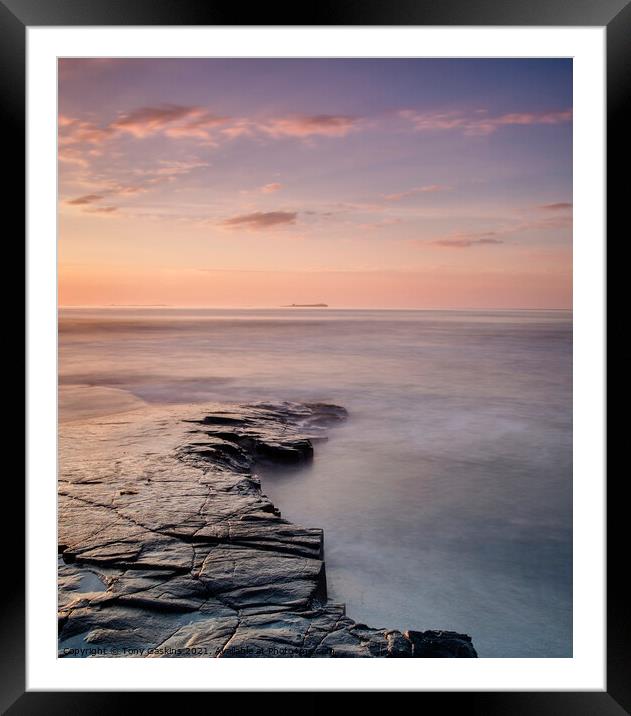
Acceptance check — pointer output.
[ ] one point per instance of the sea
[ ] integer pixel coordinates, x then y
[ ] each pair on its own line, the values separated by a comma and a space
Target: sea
445, 497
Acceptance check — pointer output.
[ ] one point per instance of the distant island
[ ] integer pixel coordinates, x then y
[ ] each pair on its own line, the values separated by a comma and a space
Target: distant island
305, 305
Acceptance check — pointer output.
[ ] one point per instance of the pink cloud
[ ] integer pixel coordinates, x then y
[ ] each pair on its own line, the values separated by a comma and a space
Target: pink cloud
127, 189
173, 120
326, 125
239, 128
64, 121
102, 209
271, 188
85, 199
464, 243
75, 131
462, 240
201, 127
480, 123
192, 122
148, 120
176, 168
144, 180
71, 156
558, 206
261, 219
535, 118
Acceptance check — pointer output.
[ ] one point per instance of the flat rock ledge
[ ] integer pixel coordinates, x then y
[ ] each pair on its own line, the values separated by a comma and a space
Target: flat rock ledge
174, 551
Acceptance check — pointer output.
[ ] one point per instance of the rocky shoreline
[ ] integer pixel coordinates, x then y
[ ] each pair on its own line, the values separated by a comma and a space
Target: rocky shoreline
169, 548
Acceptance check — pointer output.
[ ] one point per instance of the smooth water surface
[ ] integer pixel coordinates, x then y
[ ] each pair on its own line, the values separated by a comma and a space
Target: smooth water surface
446, 496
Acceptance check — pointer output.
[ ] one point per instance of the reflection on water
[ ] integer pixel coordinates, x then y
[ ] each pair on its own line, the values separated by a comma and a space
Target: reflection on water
445, 498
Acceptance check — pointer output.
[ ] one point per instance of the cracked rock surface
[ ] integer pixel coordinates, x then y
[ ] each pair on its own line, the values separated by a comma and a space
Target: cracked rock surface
169, 548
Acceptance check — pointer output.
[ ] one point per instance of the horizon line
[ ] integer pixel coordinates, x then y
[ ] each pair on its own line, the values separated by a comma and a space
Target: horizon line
319, 308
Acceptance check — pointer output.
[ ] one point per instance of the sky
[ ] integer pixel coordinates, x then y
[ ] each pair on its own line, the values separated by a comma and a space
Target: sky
377, 183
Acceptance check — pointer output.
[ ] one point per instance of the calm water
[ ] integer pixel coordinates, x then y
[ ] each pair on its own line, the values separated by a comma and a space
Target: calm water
445, 498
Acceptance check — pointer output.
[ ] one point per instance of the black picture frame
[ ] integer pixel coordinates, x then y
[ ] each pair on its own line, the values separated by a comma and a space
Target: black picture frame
17, 15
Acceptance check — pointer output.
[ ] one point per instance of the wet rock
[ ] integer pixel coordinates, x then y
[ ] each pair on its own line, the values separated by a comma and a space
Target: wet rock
169, 548
440, 644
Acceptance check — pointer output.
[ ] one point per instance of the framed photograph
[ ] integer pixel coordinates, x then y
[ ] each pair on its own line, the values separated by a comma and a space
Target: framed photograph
316, 352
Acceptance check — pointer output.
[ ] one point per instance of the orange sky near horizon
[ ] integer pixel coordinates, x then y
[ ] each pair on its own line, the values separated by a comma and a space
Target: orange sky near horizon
342, 289
356, 183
